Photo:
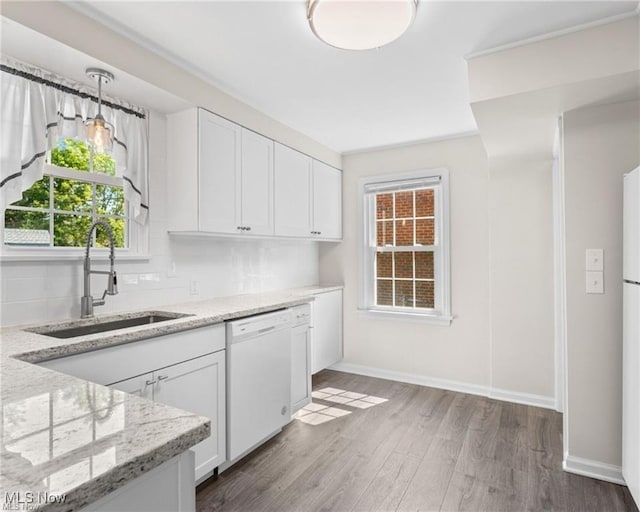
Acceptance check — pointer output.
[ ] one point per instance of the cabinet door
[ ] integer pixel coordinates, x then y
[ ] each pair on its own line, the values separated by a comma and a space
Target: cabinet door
300, 367
219, 174
327, 201
326, 312
141, 386
198, 386
292, 192
631, 389
257, 184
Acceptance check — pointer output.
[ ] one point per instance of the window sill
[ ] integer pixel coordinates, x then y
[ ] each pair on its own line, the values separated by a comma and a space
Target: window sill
406, 317
51, 256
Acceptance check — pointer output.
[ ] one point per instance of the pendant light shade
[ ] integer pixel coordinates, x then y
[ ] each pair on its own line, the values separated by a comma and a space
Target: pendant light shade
360, 24
99, 131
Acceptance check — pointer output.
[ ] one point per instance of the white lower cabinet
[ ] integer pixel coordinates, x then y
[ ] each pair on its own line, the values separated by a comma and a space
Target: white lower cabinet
326, 330
184, 370
167, 488
141, 386
300, 358
197, 386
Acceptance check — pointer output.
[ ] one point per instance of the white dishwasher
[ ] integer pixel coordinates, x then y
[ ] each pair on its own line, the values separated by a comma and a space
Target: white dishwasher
258, 379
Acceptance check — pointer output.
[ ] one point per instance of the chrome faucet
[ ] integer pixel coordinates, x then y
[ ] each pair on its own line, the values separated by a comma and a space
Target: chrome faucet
88, 302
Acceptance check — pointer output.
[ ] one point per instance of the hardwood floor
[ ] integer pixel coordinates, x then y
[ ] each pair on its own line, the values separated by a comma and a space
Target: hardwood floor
423, 449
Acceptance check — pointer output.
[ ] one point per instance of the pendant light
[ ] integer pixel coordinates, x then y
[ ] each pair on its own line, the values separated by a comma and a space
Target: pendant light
99, 132
360, 24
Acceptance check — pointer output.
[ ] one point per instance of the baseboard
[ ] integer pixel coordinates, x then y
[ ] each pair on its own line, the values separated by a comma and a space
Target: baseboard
451, 385
593, 469
546, 402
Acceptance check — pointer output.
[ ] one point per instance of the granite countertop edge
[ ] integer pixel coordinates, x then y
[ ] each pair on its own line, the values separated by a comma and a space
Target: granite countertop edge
104, 484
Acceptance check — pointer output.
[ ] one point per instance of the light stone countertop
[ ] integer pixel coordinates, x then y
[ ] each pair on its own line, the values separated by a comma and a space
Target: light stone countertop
62, 434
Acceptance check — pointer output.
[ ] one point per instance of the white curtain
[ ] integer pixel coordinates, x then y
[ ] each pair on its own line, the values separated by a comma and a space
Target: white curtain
37, 107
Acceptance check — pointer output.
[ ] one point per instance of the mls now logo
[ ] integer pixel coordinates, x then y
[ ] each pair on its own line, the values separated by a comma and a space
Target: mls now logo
29, 500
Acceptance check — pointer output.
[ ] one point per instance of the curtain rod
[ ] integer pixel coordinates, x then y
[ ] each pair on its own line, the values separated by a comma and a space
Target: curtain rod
69, 90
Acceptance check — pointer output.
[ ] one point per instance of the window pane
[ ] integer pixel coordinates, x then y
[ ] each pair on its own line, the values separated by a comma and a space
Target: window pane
70, 230
37, 196
425, 296
425, 231
72, 195
425, 203
404, 264
383, 264
26, 228
404, 294
424, 265
384, 292
385, 233
404, 232
71, 153
109, 200
384, 206
118, 228
76, 154
404, 205
105, 164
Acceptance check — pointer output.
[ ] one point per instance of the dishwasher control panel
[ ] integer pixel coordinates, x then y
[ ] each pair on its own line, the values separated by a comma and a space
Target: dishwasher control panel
254, 325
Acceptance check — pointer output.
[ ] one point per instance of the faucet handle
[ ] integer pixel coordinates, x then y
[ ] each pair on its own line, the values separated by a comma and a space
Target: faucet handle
112, 286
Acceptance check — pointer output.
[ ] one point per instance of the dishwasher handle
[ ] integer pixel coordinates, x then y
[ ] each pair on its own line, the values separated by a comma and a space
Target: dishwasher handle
257, 325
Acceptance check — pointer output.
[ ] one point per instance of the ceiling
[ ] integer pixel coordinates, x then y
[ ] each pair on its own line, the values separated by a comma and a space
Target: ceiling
264, 53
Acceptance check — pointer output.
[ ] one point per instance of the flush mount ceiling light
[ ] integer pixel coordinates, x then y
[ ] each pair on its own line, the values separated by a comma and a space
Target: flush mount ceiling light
360, 24
99, 132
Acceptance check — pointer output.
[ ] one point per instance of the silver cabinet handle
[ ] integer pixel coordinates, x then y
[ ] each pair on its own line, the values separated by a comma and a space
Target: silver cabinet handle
248, 228
150, 382
162, 377
239, 227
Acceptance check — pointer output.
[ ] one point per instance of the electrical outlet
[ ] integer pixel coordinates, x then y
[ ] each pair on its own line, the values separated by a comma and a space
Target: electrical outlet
595, 260
595, 282
193, 287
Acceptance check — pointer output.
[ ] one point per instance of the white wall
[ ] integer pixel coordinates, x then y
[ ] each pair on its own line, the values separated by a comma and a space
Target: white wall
501, 337
51, 290
521, 234
575, 56
600, 144
460, 352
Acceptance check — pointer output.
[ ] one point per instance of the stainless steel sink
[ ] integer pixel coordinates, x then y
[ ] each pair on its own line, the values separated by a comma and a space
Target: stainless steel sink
94, 326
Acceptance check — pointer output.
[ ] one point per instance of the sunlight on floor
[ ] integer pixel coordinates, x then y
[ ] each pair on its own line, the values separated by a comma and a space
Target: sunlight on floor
316, 413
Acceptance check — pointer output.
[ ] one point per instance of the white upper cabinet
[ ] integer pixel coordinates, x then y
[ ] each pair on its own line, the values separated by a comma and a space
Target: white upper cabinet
219, 188
226, 179
256, 184
327, 201
292, 192
308, 196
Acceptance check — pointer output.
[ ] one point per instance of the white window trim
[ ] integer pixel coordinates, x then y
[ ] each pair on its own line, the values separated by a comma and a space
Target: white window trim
138, 249
366, 302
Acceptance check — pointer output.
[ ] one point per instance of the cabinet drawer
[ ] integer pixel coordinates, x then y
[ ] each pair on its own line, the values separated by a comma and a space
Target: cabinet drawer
113, 364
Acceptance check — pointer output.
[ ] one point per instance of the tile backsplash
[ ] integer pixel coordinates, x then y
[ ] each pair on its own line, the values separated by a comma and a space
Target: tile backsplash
179, 268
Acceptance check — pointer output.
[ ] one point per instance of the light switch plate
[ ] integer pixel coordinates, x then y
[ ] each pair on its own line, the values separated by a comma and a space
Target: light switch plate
595, 260
595, 282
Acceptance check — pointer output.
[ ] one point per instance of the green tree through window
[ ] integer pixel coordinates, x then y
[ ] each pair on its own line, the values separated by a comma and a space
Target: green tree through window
67, 206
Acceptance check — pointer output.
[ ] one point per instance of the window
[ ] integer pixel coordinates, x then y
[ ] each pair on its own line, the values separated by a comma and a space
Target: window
406, 241
77, 188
